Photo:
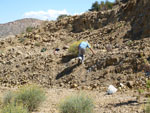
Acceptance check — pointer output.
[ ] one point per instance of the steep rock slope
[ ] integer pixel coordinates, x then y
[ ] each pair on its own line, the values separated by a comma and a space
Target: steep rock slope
137, 11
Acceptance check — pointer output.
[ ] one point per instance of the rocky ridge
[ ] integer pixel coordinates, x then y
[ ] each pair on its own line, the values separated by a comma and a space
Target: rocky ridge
18, 26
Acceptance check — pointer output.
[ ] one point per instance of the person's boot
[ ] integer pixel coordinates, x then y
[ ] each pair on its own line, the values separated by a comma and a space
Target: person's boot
79, 60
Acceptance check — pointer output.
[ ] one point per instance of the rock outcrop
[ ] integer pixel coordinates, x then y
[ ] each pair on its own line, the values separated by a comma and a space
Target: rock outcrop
137, 12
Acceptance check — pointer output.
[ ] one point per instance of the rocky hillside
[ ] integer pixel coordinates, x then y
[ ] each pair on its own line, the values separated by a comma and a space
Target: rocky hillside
137, 12
30, 57
18, 26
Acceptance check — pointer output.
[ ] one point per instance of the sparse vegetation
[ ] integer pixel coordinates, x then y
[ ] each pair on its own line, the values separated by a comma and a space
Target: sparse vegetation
21, 40
147, 110
8, 98
148, 83
101, 6
29, 29
1, 52
12, 108
31, 96
0, 102
62, 16
73, 49
37, 44
43, 49
141, 91
77, 104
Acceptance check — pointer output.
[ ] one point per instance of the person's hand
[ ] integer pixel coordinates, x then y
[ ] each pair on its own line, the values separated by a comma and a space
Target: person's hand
94, 53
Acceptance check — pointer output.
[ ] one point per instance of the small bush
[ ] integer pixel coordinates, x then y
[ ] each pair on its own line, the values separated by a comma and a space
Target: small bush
73, 49
62, 16
43, 49
148, 83
12, 108
37, 44
29, 29
8, 98
21, 40
0, 103
147, 109
30, 96
77, 104
141, 91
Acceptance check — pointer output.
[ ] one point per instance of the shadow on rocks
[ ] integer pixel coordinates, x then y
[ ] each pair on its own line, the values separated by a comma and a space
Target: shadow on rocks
67, 58
66, 71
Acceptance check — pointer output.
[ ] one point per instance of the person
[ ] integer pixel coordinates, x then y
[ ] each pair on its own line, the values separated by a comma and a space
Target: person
81, 50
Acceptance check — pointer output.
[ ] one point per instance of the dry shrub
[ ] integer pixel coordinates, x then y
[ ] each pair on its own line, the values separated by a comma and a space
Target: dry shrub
73, 49
147, 110
77, 104
12, 108
30, 96
8, 98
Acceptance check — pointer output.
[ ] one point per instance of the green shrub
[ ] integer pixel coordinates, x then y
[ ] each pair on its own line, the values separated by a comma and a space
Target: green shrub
62, 16
141, 91
43, 49
12, 108
21, 40
29, 29
1, 52
147, 110
8, 98
73, 49
77, 104
37, 44
31, 96
101, 6
0, 103
148, 83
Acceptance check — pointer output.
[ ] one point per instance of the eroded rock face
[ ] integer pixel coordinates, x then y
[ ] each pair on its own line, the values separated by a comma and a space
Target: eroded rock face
80, 23
93, 20
137, 11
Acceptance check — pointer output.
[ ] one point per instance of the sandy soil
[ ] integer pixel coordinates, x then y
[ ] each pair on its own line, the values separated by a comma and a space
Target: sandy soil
120, 102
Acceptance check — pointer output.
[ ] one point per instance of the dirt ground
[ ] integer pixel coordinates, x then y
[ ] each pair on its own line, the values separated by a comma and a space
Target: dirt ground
119, 102
125, 102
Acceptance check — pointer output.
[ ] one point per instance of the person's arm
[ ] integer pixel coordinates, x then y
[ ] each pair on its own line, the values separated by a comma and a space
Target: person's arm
92, 51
